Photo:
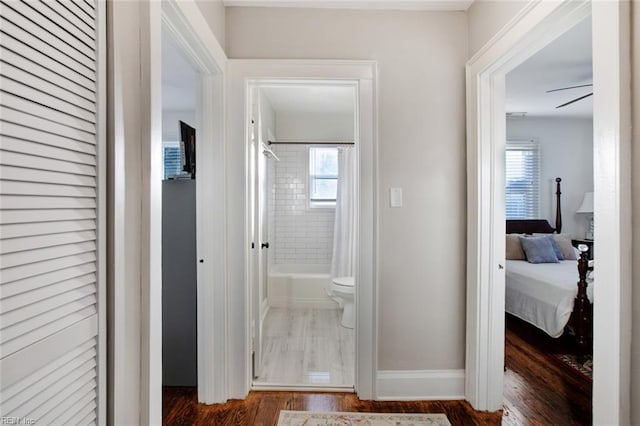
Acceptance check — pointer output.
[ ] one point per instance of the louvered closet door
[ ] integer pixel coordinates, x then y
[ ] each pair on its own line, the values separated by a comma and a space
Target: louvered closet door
50, 291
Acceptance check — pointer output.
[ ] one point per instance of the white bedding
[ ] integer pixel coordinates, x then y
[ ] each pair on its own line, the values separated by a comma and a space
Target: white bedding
542, 294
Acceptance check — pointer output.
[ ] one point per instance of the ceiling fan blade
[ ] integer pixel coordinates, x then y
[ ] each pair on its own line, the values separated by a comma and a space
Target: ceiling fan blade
575, 100
570, 87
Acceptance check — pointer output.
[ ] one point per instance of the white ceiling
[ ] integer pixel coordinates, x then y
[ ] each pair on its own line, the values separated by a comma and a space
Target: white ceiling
358, 4
316, 99
564, 62
179, 78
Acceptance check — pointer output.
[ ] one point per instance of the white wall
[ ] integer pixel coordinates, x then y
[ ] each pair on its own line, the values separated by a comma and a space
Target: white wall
487, 17
301, 235
421, 257
267, 119
566, 150
171, 123
124, 244
635, 185
214, 13
318, 127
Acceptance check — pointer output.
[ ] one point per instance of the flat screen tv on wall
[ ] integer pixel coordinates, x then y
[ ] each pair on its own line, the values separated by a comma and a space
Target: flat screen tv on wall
188, 142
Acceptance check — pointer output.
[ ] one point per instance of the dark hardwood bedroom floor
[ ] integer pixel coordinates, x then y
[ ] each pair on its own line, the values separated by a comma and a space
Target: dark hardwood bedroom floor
537, 392
540, 390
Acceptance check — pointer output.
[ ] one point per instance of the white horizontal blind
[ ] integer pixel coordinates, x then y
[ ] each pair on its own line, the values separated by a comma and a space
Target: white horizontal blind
49, 222
522, 193
323, 176
171, 159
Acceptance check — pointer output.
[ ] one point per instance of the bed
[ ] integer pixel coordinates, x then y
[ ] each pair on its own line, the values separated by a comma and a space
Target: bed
554, 297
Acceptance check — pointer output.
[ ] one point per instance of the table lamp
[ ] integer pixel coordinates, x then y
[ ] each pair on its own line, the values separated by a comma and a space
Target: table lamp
587, 208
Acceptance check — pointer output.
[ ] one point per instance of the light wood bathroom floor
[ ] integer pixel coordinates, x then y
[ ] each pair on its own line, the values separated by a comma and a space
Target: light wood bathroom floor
306, 347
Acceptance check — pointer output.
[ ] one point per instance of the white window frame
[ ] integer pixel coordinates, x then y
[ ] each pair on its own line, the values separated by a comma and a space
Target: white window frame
168, 144
531, 145
319, 203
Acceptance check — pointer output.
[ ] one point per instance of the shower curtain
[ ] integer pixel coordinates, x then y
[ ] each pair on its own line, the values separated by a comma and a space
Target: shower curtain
343, 257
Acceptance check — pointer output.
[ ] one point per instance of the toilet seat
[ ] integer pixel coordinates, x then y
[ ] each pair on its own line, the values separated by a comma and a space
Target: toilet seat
344, 285
344, 281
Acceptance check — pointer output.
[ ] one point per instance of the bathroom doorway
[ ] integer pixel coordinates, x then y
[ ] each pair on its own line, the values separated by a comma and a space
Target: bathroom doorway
302, 206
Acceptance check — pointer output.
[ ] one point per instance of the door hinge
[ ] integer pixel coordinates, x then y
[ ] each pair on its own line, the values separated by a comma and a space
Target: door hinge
253, 365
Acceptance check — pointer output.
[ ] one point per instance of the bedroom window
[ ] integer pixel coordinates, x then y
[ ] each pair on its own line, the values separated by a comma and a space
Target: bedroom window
522, 194
323, 176
171, 159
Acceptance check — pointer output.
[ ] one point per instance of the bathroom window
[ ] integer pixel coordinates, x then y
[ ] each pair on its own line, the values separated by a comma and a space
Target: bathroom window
323, 176
522, 195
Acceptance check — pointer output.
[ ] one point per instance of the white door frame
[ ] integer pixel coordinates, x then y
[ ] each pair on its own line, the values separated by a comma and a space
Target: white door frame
254, 233
533, 28
135, 316
259, 256
240, 74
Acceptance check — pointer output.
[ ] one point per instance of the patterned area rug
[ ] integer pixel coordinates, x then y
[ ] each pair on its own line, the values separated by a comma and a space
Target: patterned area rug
585, 368
308, 418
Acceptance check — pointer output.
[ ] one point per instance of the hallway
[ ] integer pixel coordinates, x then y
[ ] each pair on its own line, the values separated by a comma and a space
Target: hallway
536, 392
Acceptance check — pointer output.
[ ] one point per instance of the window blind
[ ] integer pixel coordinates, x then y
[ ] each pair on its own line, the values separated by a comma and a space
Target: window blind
49, 223
522, 194
323, 175
171, 159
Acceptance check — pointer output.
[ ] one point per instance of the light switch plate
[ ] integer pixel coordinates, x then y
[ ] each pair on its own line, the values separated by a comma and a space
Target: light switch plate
395, 197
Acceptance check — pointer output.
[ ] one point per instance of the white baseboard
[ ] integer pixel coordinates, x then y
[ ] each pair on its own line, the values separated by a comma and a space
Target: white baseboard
300, 388
409, 385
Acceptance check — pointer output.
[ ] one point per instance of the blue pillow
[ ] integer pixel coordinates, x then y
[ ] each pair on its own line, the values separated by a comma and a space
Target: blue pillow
538, 250
556, 247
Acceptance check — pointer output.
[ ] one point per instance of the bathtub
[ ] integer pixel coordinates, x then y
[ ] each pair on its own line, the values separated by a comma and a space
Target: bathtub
299, 286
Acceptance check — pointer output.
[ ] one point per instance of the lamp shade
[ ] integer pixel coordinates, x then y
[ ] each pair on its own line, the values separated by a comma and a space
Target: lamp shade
587, 203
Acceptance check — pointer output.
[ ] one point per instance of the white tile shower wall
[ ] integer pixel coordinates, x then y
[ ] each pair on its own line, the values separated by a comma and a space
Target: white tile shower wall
301, 235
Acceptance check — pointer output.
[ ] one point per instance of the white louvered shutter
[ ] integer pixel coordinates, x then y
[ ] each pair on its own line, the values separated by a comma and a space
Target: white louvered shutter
51, 212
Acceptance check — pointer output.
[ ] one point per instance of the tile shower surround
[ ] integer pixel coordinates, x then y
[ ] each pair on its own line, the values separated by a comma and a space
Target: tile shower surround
300, 234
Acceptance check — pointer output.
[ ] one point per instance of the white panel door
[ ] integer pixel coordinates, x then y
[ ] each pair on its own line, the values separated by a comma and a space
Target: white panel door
52, 344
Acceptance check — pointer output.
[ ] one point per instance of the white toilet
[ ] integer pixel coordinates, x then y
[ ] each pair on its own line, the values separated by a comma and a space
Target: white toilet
343, 288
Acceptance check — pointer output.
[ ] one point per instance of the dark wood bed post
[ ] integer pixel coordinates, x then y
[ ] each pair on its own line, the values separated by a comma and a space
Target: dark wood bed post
582, 315
558, 210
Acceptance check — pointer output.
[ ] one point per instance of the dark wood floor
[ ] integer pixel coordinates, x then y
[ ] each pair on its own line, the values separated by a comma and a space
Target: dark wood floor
263, 408
538, 391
